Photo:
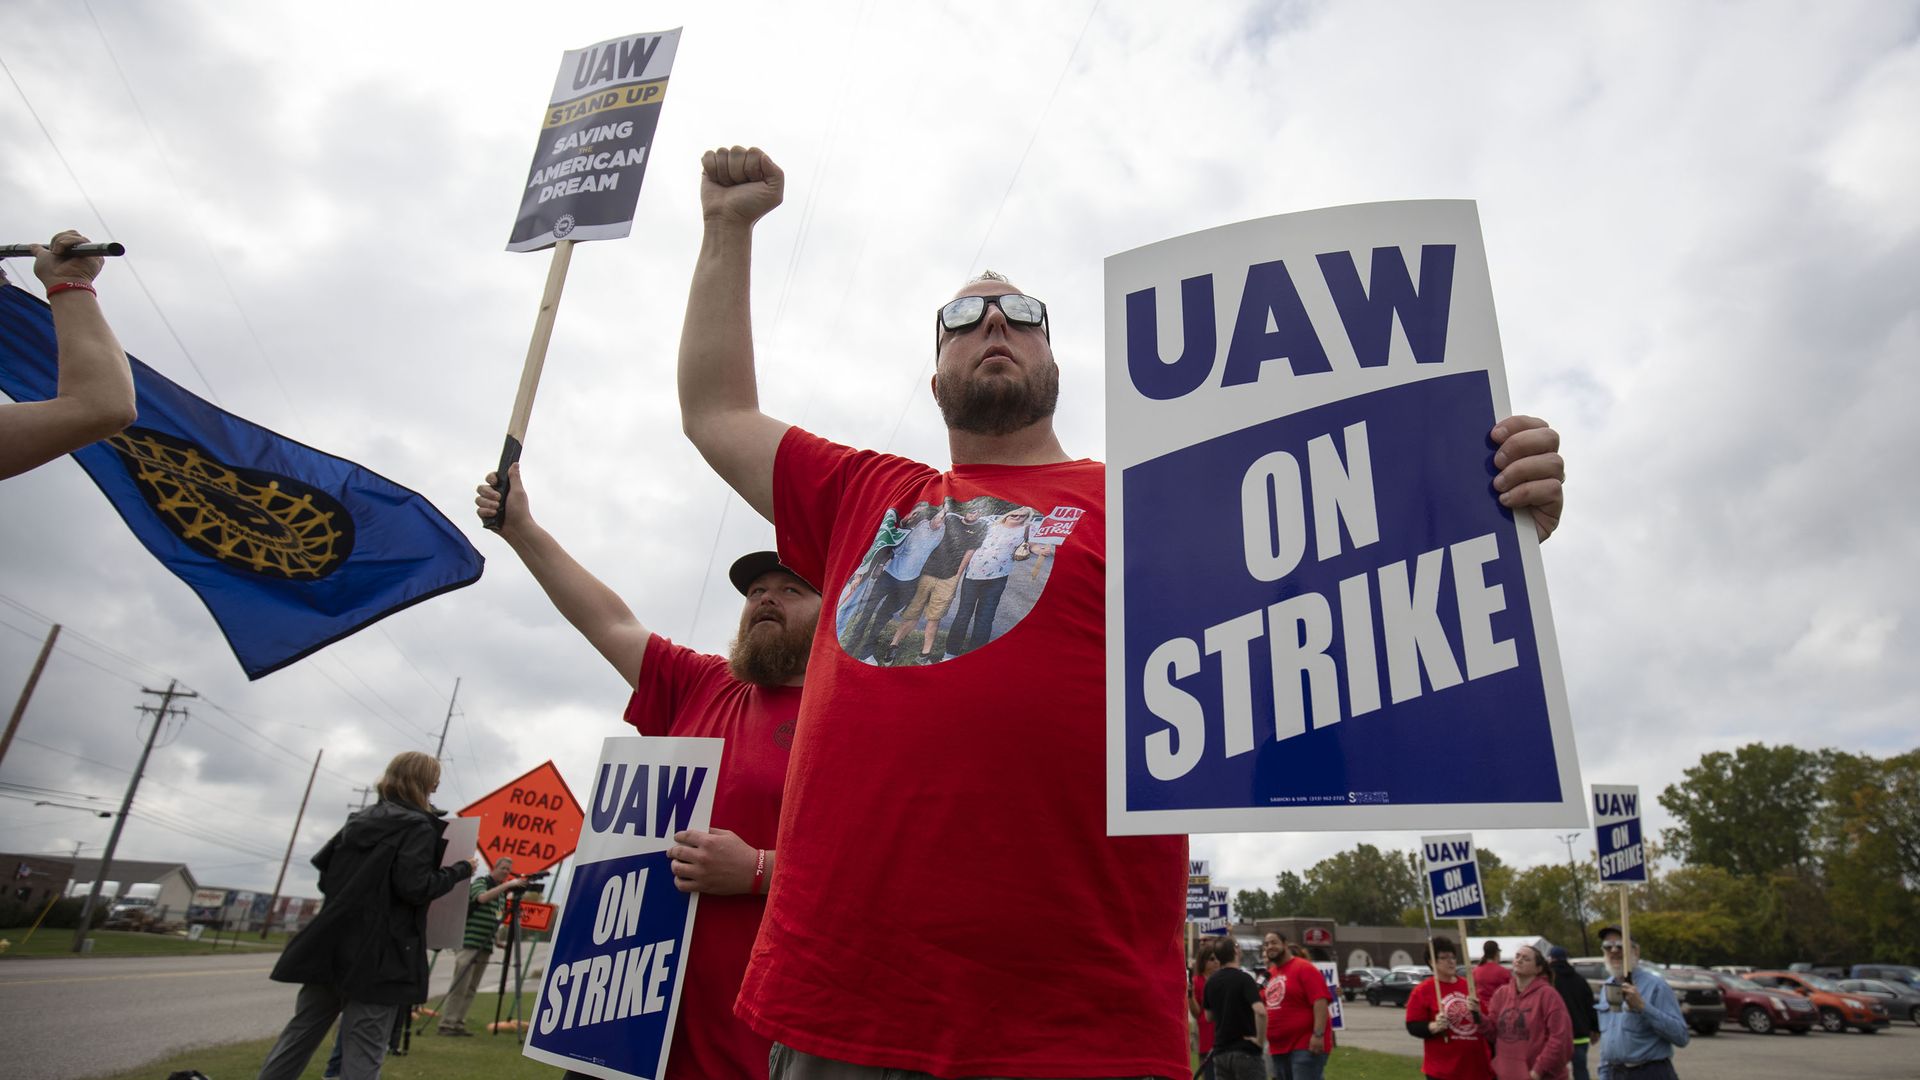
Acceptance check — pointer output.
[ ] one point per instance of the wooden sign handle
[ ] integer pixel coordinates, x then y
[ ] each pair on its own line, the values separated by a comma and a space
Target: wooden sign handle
530, 376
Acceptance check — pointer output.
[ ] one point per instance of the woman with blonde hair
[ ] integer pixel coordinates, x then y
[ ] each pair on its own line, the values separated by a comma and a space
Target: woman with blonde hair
364, 955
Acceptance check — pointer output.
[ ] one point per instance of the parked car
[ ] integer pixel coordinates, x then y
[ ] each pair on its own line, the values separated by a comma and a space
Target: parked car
1838, 1009
1418, 971
1356, 980
1899, 998
1900, 973
1830, 971
1393, 988
1761, 1010
1701, 1001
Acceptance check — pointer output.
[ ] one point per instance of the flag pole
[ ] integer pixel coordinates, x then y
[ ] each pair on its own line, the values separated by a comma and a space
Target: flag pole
530, 375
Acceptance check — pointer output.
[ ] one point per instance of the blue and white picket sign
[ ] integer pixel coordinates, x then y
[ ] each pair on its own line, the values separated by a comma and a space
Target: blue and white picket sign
1217, 921
1453, 877
1312, 589
1332, 974
1199, 879
611, 992
1616, 833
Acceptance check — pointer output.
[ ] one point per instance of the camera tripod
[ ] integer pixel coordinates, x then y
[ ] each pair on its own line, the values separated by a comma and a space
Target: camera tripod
512, 960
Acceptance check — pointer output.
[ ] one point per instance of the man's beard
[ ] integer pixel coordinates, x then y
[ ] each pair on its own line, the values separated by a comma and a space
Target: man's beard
996, 406
769, 659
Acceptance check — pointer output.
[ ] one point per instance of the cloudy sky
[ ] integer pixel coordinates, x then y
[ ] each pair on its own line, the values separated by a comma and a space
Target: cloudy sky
1699, 218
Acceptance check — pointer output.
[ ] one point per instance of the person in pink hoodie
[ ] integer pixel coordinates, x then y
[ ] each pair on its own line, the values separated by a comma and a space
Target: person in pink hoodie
1533, 1036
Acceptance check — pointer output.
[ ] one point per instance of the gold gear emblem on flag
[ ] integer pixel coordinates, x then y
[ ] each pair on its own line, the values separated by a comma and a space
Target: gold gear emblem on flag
246, 518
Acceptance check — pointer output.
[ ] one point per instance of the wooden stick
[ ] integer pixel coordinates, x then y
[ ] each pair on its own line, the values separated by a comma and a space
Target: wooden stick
1626, 935
530, 376
1471, 992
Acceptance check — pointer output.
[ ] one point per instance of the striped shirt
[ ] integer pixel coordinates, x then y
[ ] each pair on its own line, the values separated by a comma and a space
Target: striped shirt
483, 920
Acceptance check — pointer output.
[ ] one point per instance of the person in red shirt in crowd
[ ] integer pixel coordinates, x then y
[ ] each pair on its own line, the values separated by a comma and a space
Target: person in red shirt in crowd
1490, 975
1533, 1035
1442, 1012
1205, 963
1299, 1037
750, 698
930, 861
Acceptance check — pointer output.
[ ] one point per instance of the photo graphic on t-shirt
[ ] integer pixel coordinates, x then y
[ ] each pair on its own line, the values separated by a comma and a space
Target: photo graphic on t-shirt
939, 581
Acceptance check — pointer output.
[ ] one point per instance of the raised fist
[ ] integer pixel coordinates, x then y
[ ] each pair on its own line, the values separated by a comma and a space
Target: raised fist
739, 184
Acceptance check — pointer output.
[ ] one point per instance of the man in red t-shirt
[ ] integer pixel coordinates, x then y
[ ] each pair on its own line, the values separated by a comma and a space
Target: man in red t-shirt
933, 801
751, 699
1299, 1035
1442, 1012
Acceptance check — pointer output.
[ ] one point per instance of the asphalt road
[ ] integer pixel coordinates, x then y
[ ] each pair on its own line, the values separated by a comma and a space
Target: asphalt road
66, 1018
1733, 1054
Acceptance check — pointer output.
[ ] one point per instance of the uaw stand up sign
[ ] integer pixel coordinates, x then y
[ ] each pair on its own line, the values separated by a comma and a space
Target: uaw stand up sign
594, 141
1319, 616
612, 988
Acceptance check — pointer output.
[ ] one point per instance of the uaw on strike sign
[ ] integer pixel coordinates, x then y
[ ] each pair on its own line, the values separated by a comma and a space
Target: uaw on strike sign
1319, 614
534, 820
1616, 833
594, 141
612, 986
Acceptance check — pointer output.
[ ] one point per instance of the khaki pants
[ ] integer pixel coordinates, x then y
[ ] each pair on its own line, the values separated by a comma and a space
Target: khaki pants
466, 982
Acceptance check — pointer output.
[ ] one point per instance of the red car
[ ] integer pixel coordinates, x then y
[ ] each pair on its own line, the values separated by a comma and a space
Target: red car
1838, 1009
1761, 1010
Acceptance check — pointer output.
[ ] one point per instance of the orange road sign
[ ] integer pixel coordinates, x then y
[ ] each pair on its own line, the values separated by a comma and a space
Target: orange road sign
534, 820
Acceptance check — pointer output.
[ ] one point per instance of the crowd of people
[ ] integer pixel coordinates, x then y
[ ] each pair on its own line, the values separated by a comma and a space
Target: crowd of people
905, 807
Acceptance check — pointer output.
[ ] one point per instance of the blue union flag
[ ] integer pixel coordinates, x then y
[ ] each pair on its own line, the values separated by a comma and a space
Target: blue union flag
290, 548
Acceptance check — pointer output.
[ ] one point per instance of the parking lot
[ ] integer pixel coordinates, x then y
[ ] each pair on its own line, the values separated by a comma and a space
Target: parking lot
1733, 1054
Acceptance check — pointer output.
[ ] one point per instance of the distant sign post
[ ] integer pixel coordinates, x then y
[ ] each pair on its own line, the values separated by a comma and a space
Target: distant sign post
1217, 921
611, 989
534, 819
1311, 581
1453, 885
1623, 853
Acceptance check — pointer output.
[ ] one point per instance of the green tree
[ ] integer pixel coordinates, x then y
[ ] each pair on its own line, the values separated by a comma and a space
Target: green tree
1365, 886
1496, 885
1540, 901
1291, 895
1251, 904
1868, 846
1751, 812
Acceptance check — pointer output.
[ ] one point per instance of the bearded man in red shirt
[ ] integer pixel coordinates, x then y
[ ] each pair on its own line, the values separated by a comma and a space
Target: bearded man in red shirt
939, 866
750, 698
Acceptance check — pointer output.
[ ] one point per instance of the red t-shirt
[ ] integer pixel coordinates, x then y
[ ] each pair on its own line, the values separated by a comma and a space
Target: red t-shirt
937, 810
682, 692
1460, 1054
1291, 990
1204, 1039
1487, 978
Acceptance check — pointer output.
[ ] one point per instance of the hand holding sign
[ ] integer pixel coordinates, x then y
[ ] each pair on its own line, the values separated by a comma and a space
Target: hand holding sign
1531, 470
717, 863
739, 185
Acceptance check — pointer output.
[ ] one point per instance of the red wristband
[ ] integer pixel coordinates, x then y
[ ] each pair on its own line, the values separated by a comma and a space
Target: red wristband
759, 870
63, 286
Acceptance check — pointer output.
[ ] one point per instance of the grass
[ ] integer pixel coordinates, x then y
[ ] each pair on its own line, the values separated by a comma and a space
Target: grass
1353, 1063
48, 942
431, 1057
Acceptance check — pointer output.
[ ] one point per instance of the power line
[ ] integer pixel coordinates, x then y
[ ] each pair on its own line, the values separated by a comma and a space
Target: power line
125, 260
200, 233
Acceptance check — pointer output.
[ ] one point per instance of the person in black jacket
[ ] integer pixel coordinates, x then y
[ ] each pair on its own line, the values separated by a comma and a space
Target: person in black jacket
364, 955
1579, 998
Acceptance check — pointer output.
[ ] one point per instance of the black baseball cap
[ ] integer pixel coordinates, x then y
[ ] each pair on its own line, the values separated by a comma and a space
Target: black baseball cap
747, 568
1614, 930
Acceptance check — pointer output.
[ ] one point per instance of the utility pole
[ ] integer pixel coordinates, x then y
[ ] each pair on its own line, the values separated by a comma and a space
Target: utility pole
26, 694
1579, 903
441, 749
288, 857
120, 821
365, 793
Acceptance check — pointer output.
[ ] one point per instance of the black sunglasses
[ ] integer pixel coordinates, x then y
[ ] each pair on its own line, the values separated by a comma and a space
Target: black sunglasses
964, 313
